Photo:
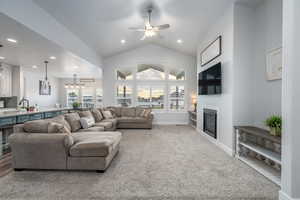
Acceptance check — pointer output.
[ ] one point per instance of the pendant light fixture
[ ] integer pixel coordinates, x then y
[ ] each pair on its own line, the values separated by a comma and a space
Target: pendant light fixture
75, 84
45, 83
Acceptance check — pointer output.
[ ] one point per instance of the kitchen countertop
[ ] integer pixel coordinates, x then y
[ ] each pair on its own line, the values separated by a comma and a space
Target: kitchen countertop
18, 113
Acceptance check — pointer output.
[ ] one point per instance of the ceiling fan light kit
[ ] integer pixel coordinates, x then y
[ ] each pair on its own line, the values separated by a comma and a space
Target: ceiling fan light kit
150, 30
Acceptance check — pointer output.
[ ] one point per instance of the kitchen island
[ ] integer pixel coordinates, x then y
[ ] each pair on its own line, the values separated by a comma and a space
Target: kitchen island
9, 118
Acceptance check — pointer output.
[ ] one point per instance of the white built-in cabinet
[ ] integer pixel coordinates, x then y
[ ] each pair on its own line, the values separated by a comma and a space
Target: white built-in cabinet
5, 81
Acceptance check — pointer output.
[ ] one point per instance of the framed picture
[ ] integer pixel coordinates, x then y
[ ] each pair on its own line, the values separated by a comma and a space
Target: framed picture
211, 52
274, 64
44, 91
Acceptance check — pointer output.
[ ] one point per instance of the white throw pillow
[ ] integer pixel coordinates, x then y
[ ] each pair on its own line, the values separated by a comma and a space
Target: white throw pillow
107, 114
87, 122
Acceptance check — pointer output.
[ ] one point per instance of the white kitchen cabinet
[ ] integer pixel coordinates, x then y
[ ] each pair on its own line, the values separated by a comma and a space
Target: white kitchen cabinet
5, 81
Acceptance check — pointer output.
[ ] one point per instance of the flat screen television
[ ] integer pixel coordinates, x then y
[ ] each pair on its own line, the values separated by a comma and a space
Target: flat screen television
210, 81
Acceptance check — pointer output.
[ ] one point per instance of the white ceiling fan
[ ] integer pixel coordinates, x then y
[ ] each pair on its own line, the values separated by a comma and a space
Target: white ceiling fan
150, 30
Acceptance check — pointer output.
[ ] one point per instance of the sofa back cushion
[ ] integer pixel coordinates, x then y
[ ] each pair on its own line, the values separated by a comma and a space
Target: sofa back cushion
97, 115
85, 113
128, 112
138, 111
74, 120
54, 127
116, 111
61, 120
36, 126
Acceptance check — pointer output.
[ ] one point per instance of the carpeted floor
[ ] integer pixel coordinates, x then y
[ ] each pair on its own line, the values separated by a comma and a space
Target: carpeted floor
168, 162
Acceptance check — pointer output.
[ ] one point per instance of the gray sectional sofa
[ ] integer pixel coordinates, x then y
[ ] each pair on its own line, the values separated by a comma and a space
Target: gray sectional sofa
62, 143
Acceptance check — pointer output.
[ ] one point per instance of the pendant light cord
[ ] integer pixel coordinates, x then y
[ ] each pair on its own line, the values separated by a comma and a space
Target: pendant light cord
46, 64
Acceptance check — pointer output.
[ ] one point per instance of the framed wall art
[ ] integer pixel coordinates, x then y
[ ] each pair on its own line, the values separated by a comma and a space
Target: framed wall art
211, 52
274, 64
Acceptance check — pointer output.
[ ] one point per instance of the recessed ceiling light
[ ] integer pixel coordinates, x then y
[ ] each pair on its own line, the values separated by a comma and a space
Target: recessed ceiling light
179, 41
123, 41
52, 57
12, 40
34, 66
76, 67
2, 58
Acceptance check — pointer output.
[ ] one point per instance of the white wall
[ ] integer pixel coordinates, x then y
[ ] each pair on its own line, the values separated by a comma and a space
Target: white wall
151, 54
223, 102
32, 90
243, 72
256, 31
268, 36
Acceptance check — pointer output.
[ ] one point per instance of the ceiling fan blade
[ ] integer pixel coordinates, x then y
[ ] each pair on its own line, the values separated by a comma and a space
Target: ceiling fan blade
137, 29
144, 37
161, 27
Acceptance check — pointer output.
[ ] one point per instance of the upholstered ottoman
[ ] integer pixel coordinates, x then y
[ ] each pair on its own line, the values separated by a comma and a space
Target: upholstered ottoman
93, 150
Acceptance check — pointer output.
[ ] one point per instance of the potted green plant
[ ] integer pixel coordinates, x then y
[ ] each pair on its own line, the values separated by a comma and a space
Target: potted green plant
76, 105
274, 123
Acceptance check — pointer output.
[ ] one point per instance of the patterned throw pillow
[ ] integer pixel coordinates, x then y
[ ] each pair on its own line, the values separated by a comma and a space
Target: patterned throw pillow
54, 127
74, 120
61, 120
107, 114
87, 122
146, 113
97, 115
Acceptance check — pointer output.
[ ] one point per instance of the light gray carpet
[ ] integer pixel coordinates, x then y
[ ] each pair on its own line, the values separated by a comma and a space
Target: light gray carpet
168, 162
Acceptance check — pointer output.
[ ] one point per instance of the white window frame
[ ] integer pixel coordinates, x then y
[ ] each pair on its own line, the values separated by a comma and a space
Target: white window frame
97, 104
151, 84
119, 69
165, 83
67, 96
178, 83
123, 83
80, 95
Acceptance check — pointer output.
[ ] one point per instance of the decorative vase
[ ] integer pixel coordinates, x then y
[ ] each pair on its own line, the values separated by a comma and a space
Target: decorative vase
275, 131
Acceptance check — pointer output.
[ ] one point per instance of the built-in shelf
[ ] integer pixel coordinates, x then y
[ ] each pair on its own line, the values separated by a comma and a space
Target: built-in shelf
276, 157
193, 119
260, 150
263, 169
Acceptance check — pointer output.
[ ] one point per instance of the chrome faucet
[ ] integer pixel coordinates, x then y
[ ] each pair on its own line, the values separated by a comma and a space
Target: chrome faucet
24, 101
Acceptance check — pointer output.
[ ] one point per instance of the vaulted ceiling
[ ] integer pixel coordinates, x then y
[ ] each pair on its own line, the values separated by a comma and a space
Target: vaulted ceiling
32, 49
103, 24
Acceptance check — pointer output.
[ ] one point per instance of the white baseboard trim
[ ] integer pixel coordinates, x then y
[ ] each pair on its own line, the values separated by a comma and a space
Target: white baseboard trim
170, 123
217, 143
284, 196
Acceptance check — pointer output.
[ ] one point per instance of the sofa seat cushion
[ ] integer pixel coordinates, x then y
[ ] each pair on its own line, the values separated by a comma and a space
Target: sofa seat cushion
94, 144
113, 121
105, 124
92, 129
132, 120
